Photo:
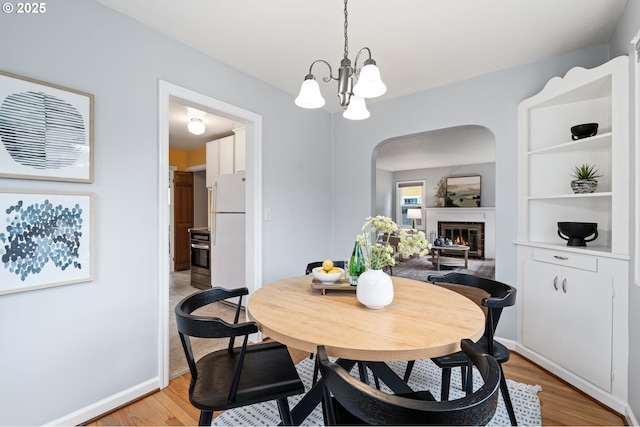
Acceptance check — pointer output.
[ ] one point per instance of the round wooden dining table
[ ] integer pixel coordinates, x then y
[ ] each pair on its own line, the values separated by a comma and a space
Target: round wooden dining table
422, 321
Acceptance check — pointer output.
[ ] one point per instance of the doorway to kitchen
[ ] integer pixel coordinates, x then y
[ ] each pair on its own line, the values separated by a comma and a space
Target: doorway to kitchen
253, 198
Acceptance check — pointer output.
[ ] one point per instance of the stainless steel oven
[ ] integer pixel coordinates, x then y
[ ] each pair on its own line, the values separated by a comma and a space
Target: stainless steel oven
200, 258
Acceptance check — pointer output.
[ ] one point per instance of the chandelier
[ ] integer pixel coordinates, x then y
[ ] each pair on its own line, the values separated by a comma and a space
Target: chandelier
351, 97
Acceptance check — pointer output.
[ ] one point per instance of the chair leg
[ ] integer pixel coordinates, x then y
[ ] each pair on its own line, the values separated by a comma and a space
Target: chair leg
316, 368
507, 398
469, 378
362, 371
407, 372
446, 379
463, 377
364, 375
205, 418
285, 413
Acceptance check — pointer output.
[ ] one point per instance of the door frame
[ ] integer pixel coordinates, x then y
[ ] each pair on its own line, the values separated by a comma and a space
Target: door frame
253, 198
172, 169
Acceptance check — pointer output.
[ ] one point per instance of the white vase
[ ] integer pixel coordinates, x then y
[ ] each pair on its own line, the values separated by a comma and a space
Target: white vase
375, 289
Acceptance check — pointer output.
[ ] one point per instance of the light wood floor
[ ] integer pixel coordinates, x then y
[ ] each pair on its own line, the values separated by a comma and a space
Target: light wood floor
561, 404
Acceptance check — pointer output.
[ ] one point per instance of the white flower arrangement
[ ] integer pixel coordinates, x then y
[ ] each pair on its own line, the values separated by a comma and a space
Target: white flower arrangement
413, 242
381, 254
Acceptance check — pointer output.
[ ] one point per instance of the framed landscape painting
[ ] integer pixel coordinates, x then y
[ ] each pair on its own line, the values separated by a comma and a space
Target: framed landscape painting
46, 239
463, 191
46, 131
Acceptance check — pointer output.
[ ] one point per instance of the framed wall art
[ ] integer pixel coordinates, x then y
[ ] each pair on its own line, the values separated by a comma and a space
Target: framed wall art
46, 239
463, 191
46, 131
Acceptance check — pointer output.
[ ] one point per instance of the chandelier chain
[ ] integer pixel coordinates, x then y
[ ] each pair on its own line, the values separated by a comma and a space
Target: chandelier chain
346, 24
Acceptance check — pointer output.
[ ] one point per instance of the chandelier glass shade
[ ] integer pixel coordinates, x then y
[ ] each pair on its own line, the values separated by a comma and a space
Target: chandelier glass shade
357, 109
368, 83
195, 126
310, 96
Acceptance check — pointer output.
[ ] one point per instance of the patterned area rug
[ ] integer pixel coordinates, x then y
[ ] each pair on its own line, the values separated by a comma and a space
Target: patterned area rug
425, 375
420, 268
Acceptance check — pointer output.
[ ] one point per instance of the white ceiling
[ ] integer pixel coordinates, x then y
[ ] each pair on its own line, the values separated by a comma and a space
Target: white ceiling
418, 44
180, 115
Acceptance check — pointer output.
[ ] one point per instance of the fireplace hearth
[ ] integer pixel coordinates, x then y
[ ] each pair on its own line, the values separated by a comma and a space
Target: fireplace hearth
465, 233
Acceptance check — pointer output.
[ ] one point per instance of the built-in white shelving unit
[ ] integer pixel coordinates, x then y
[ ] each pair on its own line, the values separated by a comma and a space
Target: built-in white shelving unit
572, 309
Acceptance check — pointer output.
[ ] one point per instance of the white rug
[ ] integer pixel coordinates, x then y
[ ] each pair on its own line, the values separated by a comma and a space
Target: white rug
425, 375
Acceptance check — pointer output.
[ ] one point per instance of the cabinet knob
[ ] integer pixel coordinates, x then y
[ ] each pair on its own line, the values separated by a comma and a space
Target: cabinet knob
555, 283
564, 285
563, 258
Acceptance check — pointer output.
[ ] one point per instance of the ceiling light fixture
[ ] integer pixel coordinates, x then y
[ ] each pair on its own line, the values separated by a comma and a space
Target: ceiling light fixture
196, 126
369, 84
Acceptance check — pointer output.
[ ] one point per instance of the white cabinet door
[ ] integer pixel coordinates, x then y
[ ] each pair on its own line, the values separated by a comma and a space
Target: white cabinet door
567, 318
542, 309
587, 302
240, 149
212, 162
226, 155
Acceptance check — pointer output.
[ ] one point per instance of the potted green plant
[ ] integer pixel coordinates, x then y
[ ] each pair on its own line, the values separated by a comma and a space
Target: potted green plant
585, 179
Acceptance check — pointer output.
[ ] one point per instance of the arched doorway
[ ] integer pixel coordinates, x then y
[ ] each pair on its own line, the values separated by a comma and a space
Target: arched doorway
410, 167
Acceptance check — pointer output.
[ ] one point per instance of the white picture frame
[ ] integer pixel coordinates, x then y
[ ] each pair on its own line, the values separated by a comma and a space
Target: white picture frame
46, 131
46, 239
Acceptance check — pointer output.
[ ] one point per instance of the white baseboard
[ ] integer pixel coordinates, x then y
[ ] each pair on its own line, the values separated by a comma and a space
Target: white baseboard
110, 403
608, 399
630, 417
510, 344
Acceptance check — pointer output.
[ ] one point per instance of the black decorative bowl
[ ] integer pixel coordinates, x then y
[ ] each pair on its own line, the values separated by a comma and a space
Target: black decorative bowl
577, 232
584, 130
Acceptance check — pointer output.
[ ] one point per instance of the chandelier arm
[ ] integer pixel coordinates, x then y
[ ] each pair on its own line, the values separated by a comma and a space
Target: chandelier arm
356, 70
324, 79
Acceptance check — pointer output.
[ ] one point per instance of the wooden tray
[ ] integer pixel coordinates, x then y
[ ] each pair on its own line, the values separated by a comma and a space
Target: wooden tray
339, 285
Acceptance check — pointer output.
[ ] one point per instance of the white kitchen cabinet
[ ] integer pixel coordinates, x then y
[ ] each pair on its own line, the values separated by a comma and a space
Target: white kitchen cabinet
226, 147
578, 331
240, 157
567, 317
226, 155
212, 167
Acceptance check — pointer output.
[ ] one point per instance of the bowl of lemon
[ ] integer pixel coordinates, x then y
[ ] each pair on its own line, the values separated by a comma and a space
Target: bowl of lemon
327, 274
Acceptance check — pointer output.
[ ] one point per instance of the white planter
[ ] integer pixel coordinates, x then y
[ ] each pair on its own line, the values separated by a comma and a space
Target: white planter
375, 289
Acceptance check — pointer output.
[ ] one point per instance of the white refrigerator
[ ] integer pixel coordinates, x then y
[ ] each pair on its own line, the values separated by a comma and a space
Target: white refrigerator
228, 231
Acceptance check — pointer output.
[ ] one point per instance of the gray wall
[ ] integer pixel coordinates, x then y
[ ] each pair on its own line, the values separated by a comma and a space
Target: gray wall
490, 101
385, 188
432, 175
69, 347
621, 45
200, 200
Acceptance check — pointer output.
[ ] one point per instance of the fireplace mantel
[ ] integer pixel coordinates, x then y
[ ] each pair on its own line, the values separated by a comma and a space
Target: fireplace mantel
484, 215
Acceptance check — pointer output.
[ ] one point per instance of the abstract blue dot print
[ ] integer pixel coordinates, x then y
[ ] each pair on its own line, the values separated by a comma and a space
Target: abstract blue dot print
41, 233
43, 238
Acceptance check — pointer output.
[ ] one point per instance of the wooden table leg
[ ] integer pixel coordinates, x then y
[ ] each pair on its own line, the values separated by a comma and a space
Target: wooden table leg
466, 259
438, 259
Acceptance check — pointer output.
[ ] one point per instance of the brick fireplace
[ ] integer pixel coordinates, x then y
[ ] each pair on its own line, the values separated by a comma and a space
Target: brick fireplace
466, 233
466, 217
